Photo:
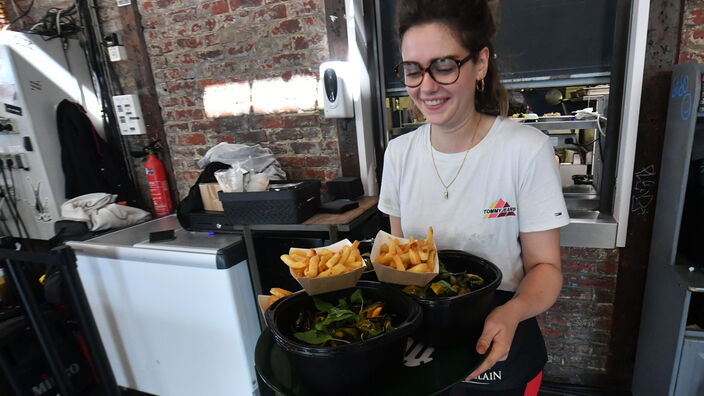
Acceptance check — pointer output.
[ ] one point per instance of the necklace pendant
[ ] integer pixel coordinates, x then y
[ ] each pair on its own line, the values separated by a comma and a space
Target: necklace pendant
446, 194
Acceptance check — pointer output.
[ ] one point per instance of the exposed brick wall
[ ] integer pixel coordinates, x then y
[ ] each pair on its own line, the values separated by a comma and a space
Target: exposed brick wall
194, 46
577, 329
692, 42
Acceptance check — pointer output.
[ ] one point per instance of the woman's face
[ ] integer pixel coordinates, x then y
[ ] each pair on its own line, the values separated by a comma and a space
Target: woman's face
448, 106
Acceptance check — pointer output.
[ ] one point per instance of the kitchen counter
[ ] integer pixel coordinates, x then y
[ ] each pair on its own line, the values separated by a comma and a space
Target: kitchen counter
589, 228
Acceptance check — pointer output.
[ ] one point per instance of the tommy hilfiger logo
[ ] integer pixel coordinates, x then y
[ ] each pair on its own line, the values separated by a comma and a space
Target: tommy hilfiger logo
499, 209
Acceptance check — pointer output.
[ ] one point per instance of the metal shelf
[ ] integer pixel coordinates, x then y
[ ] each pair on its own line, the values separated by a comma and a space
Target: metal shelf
545, 125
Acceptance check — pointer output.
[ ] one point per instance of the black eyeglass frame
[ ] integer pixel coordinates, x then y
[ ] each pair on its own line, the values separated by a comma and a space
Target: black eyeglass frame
423, 70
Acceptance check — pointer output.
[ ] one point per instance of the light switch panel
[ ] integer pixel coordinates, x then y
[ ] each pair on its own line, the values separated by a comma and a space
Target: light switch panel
129, 114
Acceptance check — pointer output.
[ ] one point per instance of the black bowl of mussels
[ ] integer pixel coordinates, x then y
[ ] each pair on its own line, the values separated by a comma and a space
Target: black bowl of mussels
457, 301
340, 341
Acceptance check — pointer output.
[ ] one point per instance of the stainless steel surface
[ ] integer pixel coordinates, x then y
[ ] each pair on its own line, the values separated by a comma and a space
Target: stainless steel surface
545, 124
193, 249
557, 81
589, 228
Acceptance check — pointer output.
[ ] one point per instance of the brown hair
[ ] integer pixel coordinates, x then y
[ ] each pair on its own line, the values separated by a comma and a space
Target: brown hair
472, 22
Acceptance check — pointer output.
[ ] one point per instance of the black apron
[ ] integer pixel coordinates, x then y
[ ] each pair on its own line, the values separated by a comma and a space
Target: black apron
525, 360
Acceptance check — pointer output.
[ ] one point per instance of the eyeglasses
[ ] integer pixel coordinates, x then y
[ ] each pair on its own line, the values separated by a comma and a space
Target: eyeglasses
444, 71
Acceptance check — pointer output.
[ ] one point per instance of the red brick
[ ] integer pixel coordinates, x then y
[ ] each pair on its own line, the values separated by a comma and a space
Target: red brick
555, 319
188, 102
185, 15
218, 7
251, 137
290, 26
551, 332
576, 266
299, 121
292, 162
301, 43
283, 135
186, 115
695, 17
168, 101
204, 126
189, 43
191, 139
315, 174
176, 127
276, 12
274, 121
318, 161
607, 267
296, 173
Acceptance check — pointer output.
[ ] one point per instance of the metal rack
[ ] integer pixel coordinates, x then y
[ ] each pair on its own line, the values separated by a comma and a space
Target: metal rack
65, 261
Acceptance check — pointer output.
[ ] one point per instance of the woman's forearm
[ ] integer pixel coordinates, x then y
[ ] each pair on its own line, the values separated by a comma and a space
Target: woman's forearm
537, 292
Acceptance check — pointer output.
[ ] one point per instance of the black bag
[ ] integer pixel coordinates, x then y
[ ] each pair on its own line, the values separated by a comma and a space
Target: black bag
193, 201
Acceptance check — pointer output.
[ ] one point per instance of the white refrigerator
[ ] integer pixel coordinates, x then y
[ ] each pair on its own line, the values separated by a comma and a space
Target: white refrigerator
178, 317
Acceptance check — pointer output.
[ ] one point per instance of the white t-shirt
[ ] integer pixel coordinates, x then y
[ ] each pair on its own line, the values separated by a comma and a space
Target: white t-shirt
509, 183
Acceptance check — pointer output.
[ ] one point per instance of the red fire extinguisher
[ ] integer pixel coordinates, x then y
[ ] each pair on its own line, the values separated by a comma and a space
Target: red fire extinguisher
158, 183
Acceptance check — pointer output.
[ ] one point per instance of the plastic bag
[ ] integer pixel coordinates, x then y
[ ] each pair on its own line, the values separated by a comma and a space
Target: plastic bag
255, 159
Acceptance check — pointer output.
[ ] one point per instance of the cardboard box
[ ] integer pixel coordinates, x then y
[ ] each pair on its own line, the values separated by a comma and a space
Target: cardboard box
209, 194
391, 275
264, 301
314, 286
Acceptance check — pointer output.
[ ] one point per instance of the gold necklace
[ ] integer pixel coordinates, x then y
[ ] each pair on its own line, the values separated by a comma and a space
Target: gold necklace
432, 156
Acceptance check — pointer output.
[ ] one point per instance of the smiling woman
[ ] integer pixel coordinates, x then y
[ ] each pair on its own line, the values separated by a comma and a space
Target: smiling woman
468, 159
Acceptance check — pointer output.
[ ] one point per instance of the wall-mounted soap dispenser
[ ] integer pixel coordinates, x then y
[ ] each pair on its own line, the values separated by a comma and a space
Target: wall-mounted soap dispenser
337, 94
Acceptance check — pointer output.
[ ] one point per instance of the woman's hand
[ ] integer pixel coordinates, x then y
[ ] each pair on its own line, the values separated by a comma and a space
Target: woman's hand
499, 328
535, 294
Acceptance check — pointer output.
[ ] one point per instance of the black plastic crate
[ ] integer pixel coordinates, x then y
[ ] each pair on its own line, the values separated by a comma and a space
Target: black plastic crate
285, 206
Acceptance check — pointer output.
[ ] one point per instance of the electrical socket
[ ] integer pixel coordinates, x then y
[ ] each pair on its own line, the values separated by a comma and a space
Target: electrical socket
117, 53
8, 126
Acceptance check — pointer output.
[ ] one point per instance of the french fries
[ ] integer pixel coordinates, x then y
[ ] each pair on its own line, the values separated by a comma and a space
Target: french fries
418, 255
324, 262
277, 293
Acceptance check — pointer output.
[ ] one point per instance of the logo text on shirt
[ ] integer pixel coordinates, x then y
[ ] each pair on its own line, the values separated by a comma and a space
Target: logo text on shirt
499, 208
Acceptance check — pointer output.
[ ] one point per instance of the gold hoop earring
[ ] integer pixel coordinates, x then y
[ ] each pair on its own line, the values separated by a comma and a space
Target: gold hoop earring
480, 86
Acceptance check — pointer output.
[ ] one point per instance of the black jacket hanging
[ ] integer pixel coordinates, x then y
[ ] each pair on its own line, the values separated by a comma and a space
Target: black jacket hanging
89, 163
